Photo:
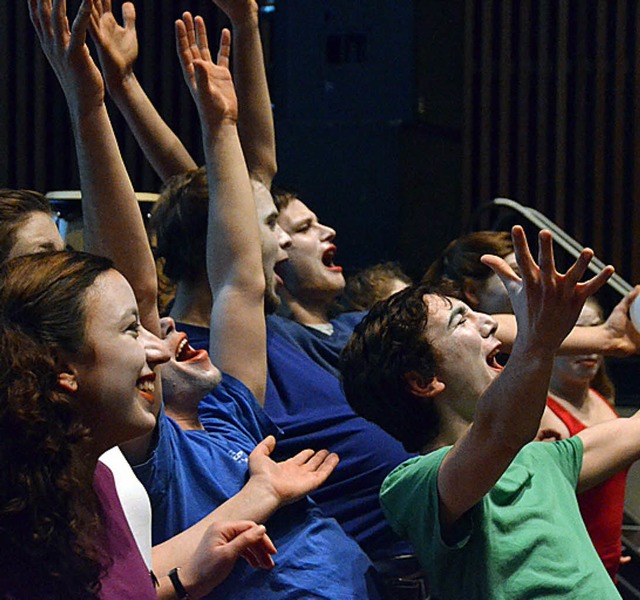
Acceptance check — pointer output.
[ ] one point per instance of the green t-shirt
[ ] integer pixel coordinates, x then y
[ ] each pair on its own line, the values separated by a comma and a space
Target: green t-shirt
525, 539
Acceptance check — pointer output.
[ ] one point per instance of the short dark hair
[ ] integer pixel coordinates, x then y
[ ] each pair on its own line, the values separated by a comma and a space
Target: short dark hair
282, 197
371, 285
389, 343
460, 264
179, 222
15, 207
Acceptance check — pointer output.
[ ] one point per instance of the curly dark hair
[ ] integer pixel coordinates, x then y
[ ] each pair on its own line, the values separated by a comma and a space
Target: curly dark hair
460, 264
15, 207
386, 345
179, 224
50, 523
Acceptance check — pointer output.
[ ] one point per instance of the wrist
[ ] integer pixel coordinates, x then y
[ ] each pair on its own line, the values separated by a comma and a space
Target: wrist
121, 84
247, 18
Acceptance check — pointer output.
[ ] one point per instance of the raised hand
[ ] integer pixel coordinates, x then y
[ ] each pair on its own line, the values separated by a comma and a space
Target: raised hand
117, 46
66, 50
294, 478
620, 329
546, 303
210, 82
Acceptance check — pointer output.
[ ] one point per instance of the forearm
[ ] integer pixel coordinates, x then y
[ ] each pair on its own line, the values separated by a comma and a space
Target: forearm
506, 418
112, 218
581, 340
160, 145
609, 447
233, 253
255, 117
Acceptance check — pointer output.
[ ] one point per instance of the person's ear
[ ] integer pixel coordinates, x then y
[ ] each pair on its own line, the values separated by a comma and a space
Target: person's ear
67, 377
470, 293
423, 387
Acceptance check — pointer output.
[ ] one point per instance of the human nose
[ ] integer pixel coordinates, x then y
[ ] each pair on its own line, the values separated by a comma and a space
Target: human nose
167, 326
328, 233
155, 349
488, 325
284, 239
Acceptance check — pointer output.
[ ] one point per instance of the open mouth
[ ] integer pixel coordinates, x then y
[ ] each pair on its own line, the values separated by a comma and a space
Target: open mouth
185, 353
277, 271
146, 386
327, 259
492, 361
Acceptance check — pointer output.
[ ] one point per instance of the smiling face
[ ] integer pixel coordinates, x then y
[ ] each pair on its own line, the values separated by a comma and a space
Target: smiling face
36, 233
310, 274
189, 375
274, 241
581, 369
113, 376
465, 347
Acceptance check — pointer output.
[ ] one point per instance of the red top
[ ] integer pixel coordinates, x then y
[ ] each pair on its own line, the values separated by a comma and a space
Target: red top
602, 506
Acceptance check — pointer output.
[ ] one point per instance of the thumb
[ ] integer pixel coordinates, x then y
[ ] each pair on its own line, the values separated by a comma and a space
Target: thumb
266, 446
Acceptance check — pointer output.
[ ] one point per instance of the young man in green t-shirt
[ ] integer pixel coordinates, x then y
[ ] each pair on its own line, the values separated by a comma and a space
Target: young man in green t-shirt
490, 514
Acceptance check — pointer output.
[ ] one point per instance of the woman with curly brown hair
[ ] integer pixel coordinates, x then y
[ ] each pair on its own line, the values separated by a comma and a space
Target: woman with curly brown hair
76, 378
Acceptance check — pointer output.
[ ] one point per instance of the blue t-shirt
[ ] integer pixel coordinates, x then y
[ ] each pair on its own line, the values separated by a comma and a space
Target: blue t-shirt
308, 403
190, 473
322, 348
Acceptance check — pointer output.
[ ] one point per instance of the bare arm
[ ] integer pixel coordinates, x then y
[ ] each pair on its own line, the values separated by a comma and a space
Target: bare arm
609, 447
507, 416
615, 337
117, 49
255, 117
234, 256
112, 219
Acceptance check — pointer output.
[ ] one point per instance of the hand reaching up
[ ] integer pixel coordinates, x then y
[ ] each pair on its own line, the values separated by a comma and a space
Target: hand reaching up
117, 46
67, 52
210, 82
546, 303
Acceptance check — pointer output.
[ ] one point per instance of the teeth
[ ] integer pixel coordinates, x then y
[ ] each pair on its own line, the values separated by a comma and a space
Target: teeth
181, 346
147, 386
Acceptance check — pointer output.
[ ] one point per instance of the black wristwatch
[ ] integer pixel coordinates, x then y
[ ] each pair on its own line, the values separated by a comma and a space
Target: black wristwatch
181, 592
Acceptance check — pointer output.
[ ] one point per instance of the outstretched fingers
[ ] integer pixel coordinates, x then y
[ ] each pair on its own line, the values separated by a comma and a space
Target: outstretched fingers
224, 51
201, 39
80, 25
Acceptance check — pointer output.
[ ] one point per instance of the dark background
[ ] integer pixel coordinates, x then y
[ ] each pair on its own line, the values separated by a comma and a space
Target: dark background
397, 120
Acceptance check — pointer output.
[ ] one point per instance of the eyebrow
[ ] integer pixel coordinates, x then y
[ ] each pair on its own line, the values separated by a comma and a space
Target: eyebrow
458, 310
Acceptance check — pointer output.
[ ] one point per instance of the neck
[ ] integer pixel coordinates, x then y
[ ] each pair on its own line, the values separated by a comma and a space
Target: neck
452, 428
192, 304
307, 312
572, 392
186, 421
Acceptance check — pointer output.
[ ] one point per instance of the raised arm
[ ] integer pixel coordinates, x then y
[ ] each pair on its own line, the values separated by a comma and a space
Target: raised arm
113, 224
117, 48
234, 257
615, 337
546, 304
255, 117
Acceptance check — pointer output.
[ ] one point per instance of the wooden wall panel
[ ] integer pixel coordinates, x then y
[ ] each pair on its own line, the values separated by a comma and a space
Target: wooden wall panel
563, 134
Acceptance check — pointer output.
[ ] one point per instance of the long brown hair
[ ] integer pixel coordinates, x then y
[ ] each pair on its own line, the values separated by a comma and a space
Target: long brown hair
49, 517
